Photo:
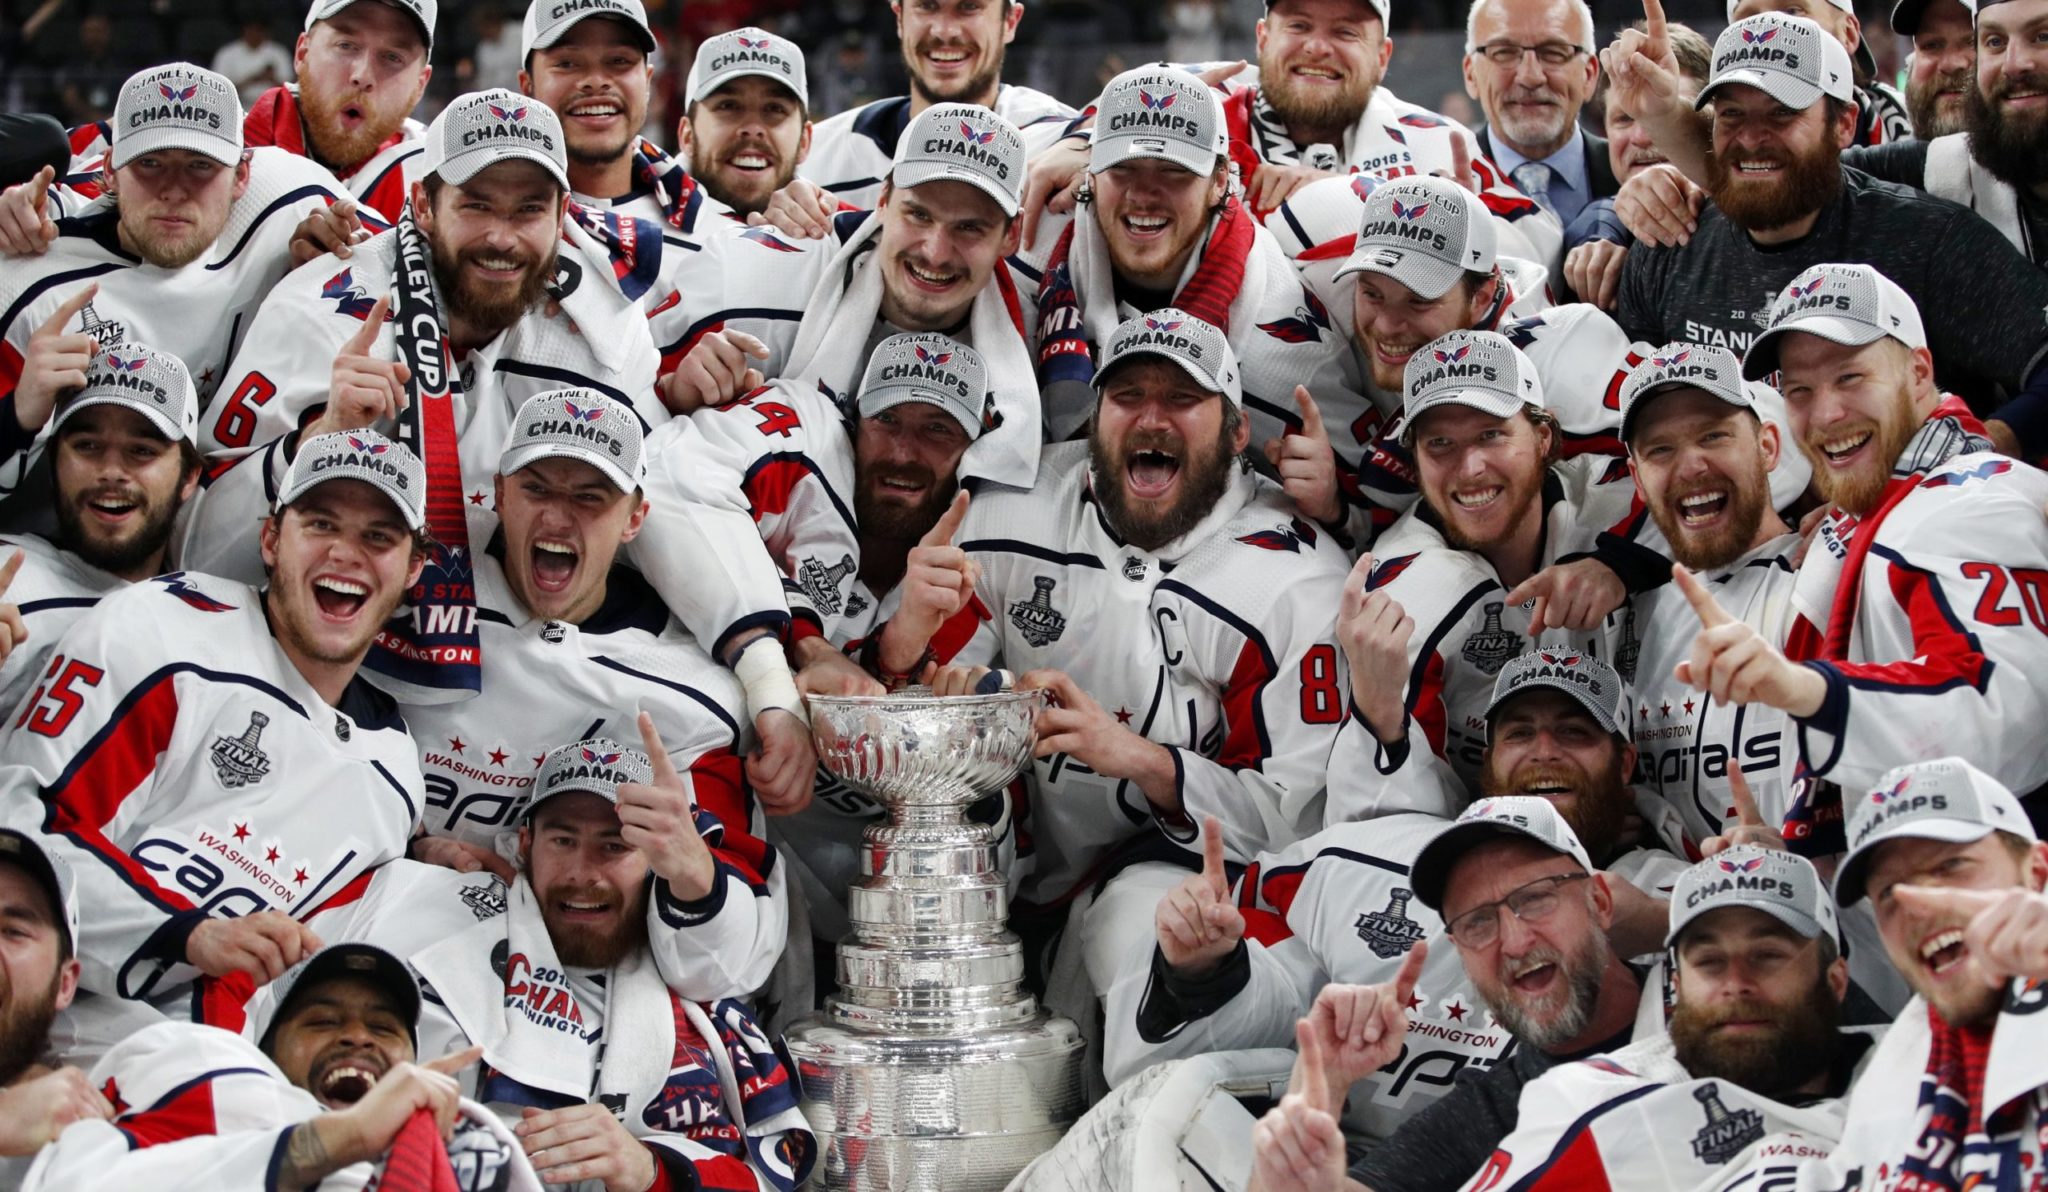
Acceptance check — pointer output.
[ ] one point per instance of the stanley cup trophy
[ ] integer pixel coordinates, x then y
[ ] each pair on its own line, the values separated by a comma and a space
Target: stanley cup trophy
931, 1068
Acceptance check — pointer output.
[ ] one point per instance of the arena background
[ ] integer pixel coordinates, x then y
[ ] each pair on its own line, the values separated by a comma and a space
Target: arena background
67, 57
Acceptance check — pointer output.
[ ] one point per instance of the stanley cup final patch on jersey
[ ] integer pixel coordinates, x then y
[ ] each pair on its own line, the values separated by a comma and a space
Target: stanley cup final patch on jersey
1491, 647
1727, 1132
821, 583
1390, 932
1036, 619
240, 761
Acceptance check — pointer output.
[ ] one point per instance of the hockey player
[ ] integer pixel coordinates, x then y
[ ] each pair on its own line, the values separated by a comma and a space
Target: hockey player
1506, 545
747, 125
1952, 1098
575, 645
123, 464
953, 52
173, 769
1880, 110
1914, 632
1205, 681
177, 254
1163, 229
39, 907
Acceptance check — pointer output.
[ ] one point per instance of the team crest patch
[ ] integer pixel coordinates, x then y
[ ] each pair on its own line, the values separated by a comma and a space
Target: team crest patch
1036, 619
1134, 568
239, 761
1726, 1132
1390, 932
485, 901
1491, 647
821, 583
342, 732
554, 633
106, 331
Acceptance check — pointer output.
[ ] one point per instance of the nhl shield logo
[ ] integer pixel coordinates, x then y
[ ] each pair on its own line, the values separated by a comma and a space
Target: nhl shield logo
1134, 568
1036, 619
821, 583
1726, 1133
1390, 932
554, 633
238, 760
1491, 647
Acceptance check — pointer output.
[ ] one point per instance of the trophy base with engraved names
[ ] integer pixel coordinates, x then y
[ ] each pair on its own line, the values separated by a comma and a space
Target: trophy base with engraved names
931, 1068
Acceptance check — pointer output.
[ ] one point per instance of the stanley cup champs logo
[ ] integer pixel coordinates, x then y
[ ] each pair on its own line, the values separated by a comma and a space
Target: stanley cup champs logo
1036, 619
1726, 1133
238, 760
821, 583
1491, 647
1390, 932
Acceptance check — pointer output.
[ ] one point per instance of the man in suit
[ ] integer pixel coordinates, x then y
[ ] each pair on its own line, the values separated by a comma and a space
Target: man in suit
1531, 66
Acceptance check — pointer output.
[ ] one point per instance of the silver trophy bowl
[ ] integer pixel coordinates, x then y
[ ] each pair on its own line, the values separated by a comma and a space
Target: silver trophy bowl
931, 1068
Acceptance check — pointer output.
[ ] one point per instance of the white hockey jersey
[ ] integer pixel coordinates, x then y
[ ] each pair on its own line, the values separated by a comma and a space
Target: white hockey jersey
1335, 907
199, 313
851, 153
1636, 1119
1220, 646
751, 280
191, 771
53, 588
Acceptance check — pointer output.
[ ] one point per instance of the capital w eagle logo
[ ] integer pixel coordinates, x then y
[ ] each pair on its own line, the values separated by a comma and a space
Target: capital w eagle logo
1395, 135
1755, 38
1749, 866
1479, 810
1157, 103
507, 113
765, 237
367, 447
1363, 185
1419, 120
131, 364
176, 94
976, 138
926, 357
1416, 212
1898, 788
601, 759
1443, 357
1799, 291
1306, 325
580, 414
341, 290
177, 585
1982, 471
1163, 324
1289, 537
752, 44
1560, 659
1669, 361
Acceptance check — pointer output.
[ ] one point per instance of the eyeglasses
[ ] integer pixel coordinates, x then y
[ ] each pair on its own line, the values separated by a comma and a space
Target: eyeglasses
1533, 903
1508, 54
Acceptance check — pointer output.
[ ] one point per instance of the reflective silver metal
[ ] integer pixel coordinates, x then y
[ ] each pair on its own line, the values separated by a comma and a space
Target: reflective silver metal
931, 1068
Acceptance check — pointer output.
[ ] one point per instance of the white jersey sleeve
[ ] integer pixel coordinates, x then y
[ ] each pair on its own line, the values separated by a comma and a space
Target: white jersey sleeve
53, 589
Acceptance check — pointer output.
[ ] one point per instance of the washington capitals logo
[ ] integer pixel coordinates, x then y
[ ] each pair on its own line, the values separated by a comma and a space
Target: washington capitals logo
130, 365
581, 414
348, 300
762, 236
1415, 212
1163, 324
1897, 789
1395, 135
1755, 38
1479, 810
1289, 537
746, 43
1443, 357
976, 138
1983, 471
367, 447
1669, 361
507, 113
1363, 185
1157, 103
177, 95
600, 759
1749, 866
177, 585
1802, 291
1560, 659
1307, 325
1414, 120
932, 357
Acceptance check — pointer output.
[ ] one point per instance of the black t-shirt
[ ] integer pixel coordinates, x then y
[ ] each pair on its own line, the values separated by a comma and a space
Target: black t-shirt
1445, 1145
1985, 307
1905, 162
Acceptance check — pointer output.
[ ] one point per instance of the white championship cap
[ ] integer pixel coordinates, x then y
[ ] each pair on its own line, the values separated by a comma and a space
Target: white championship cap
1159, 112
1946, 799
1780, 884
1791, 59
1504, 815
1589, 681
484, 128
1480, 369
1711, 370
599, 765
547, 20
743, 52
1424, 232
1201, 349
925, 366
578, 424
1844, 304
963, 143
180, 106
391, 468
153, 384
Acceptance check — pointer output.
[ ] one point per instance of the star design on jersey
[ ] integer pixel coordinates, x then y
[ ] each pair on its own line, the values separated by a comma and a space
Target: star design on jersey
1646, 711
456, 744
299, 875
1667, 710
539, 759
1456, 1010
497, 757
1123, 715
477, 497
206, 375
270, 855
1688, 706
1414, 1001
241, 831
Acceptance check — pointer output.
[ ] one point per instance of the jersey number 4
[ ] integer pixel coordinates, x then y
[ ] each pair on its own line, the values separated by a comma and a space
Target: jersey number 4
55, 704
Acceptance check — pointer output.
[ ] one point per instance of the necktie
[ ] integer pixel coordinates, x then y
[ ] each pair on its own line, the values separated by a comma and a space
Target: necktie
1533, 179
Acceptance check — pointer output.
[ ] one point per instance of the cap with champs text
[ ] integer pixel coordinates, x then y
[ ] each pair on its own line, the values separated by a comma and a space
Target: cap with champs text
1424, 232
1504, 815
1780, 884
960, 142
1712, 370
1946, 799
1199, 348
390, 468
1845, 304
179, 106
1586, 679
925, 366
1159, 112
1865, 60
423, 13
354, 962
598, 765
547, 20
484, 128
1791, 59
578, 424
51, 872
135, 377
744, 52
1480, 369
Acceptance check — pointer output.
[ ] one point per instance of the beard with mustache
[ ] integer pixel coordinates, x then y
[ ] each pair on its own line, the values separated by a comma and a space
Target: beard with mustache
115, 555
1811, 182
1801, 1044
1204, 477
2013, 147
1923, 104
1598, 810
982, 82
1860, 491
1707, 550
1523, 492
333, 147
491, 309
1578, 992
583, 946
1299, 105
25, 1020
895, 521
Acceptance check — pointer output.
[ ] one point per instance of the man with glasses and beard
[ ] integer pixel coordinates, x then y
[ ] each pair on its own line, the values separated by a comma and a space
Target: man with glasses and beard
1912, 633
1782, 110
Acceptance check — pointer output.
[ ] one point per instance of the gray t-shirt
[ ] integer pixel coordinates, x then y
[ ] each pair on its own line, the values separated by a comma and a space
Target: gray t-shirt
1985, 307
1905, 162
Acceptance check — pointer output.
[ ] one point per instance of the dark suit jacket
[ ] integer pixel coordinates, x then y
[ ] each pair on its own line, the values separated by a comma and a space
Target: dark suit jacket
1599, 171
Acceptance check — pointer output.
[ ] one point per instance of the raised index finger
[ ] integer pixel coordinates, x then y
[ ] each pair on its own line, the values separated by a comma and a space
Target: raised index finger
1212, 853
7, 569
1654, 30
71, 306
1948, 898
361, 342
657, 756
1311, 414
1711, 614
1411, 969
942, 531
1745, 802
